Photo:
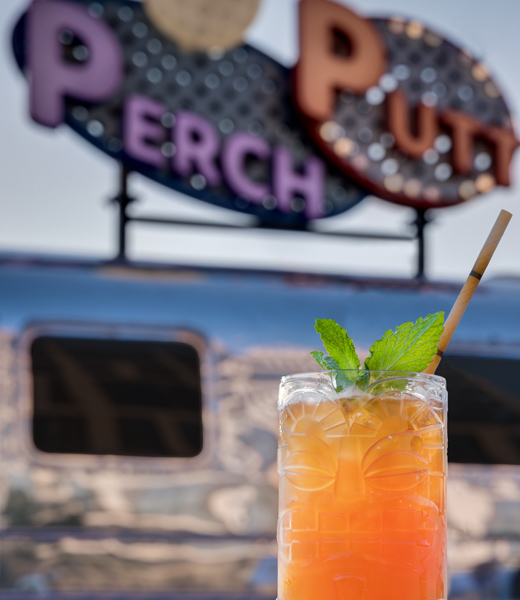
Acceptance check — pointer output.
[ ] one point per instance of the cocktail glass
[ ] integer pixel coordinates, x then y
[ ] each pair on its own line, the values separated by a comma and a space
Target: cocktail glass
362, 498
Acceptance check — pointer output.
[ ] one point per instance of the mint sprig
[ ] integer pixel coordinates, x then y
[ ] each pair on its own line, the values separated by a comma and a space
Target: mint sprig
338, 344
325, 362
410, 347
341, 350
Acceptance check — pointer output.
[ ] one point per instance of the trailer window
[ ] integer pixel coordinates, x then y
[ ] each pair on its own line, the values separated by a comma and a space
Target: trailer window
483, 409
120, 397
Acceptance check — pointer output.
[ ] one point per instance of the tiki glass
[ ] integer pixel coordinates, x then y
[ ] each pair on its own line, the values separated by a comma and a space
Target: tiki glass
362, 509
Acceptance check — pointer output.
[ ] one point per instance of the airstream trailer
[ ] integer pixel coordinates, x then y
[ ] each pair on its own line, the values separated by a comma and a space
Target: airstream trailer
139, 425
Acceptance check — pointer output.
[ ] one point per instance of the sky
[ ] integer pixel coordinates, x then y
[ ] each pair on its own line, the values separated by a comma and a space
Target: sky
56, 187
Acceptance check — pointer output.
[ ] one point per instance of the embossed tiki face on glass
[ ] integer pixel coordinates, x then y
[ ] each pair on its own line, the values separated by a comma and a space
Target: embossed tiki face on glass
362, 513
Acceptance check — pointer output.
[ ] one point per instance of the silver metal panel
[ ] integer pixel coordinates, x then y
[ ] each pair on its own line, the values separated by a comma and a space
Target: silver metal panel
102, 523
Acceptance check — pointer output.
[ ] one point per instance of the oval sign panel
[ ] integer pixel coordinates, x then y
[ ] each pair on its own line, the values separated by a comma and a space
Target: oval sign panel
404, 111
168, 88
191, 107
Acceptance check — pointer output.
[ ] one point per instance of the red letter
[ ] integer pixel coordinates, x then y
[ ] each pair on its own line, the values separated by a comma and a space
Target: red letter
320, 72
399, 125
505, 144
463, 128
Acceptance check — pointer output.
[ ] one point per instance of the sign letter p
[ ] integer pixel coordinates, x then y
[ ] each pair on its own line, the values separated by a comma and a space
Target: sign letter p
51, 77
322, 71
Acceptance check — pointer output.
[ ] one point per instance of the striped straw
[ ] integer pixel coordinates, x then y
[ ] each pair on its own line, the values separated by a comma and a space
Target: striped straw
470, 286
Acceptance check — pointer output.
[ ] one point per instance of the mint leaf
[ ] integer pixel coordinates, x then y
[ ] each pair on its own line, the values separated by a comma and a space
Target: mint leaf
339, 379
342, 381
326, 363
410, 347
337, 343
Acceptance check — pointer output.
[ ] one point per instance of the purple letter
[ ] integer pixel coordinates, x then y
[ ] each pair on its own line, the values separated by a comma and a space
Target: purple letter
309, 184
51, 77
142, 130
235, 151
197, 144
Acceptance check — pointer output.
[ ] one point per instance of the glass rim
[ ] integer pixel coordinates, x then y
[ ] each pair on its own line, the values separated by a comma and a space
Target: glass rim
388, 372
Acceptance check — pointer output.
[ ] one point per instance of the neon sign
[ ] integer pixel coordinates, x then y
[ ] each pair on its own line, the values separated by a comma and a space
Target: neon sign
402, 110
373, 105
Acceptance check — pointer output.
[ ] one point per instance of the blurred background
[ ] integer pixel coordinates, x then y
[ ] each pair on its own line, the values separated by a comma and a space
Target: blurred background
56, 186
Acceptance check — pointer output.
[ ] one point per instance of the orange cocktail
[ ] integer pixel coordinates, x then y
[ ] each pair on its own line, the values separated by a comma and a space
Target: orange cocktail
362, 513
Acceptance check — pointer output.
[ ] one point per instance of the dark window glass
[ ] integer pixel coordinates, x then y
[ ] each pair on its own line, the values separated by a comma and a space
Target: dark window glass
127, 398
483, 409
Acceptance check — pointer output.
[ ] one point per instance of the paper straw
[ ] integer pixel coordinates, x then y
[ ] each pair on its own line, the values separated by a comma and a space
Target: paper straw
470, 286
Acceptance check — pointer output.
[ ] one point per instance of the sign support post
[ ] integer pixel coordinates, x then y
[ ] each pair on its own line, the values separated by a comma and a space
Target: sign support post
122, 200
421, 221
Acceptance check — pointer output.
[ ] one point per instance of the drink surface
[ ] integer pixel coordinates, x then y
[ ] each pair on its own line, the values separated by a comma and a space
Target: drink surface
362, 494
